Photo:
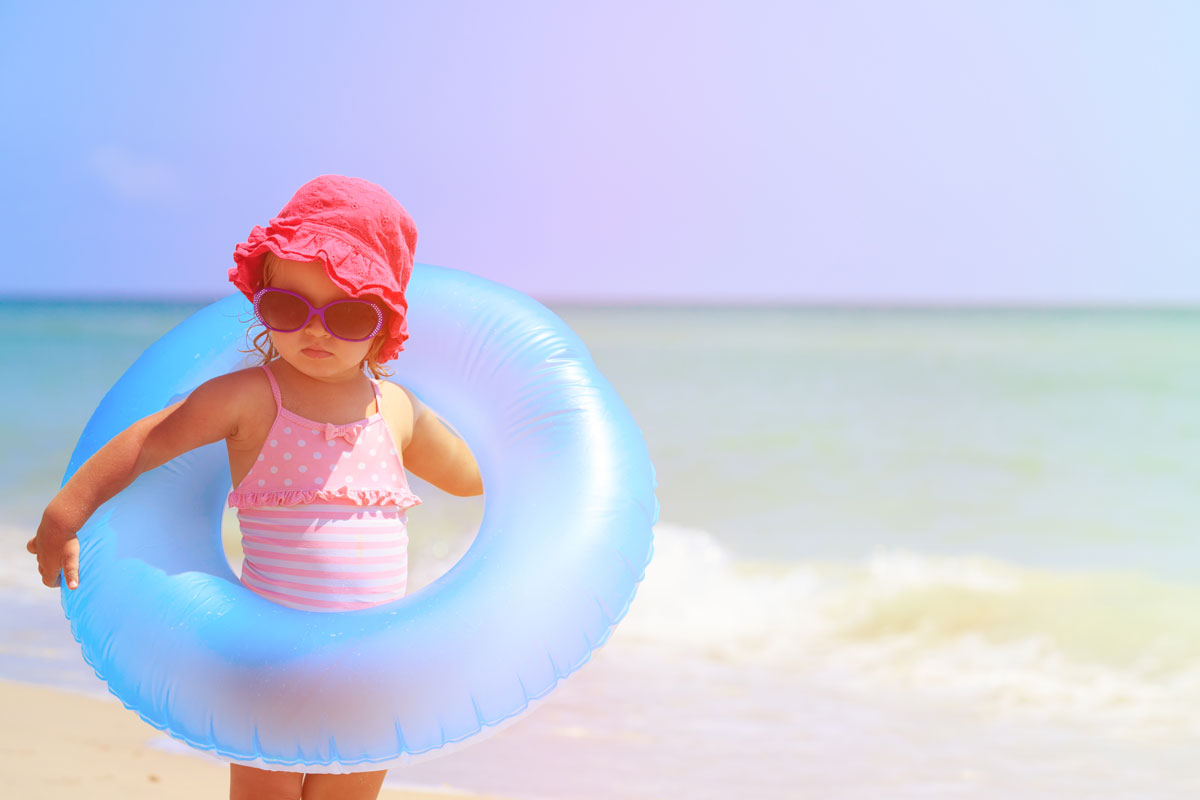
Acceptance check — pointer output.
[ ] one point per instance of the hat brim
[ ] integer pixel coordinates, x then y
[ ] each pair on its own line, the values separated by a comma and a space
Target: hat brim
350, 265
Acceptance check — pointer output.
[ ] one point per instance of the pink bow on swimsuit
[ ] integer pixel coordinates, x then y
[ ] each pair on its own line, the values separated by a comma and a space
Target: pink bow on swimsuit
348, 432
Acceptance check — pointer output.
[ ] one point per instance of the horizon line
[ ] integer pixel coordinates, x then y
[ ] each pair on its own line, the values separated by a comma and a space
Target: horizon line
700, 303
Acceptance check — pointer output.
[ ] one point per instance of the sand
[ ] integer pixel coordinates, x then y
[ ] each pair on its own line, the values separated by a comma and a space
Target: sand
57, 744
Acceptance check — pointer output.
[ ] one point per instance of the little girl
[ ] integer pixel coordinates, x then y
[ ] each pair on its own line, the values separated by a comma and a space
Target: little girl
317, 450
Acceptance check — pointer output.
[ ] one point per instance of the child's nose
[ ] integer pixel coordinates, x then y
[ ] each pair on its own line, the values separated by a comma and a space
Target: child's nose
315, 326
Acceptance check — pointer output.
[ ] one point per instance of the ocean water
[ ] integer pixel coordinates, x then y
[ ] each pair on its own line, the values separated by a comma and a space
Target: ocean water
901, 553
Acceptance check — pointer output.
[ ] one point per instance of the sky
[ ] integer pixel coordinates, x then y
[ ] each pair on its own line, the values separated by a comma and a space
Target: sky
950, 152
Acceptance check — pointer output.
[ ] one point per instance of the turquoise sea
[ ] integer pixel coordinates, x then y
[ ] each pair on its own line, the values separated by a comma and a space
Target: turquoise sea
901, 552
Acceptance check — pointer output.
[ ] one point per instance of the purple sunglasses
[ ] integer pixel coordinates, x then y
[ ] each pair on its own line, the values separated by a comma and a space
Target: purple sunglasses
286, 312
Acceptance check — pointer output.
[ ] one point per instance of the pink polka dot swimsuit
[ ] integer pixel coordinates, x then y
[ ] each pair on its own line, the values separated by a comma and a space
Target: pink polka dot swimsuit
323, 513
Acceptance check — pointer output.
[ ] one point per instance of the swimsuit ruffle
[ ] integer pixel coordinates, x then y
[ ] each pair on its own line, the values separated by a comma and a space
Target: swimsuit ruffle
403, 498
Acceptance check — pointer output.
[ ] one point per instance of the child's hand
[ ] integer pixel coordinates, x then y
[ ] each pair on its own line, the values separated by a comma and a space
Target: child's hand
57, 549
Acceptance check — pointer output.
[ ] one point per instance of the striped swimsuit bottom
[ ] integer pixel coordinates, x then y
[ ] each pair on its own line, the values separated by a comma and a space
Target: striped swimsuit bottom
324, 556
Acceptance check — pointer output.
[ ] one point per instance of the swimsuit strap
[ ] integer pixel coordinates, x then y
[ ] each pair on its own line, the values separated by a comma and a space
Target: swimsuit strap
274, 387
378, 398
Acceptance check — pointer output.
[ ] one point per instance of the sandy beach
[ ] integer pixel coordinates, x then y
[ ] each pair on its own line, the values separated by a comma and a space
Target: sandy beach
58, 744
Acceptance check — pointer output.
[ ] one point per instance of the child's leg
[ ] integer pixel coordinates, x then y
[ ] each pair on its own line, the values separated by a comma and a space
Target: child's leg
355, 786
251, 783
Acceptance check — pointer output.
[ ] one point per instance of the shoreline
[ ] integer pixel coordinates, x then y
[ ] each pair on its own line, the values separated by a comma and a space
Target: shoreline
61, 744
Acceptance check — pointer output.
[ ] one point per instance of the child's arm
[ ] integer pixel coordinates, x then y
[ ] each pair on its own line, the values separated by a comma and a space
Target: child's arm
436, 455
208, 414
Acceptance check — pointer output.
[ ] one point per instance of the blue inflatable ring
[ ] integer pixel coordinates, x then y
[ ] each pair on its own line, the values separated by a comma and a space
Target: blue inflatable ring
564, 542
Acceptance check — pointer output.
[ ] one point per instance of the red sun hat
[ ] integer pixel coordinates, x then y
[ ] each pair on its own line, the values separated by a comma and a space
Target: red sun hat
365, 239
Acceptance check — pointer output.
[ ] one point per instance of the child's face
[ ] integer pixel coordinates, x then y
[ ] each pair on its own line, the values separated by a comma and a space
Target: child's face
312, 349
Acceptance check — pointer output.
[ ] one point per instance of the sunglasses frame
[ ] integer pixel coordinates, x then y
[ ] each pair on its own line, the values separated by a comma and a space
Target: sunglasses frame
313, 311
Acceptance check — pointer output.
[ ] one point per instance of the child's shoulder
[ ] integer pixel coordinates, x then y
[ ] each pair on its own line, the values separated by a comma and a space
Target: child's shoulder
250, 379
398, 407
242, 399
245, 389
398, 396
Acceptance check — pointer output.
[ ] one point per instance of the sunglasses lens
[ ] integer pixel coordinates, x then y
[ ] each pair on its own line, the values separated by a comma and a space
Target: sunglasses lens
354, 320
282, 312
